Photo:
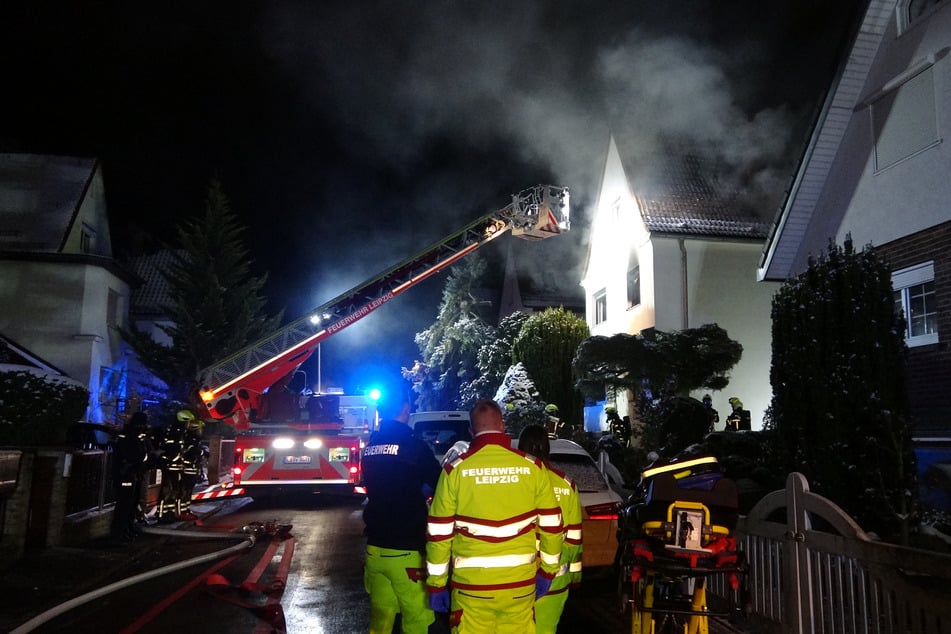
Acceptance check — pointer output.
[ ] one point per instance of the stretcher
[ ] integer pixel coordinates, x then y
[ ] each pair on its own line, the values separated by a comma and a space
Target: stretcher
673, 539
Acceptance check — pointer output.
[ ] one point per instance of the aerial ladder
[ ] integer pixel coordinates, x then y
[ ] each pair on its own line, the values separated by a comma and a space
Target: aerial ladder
235, 390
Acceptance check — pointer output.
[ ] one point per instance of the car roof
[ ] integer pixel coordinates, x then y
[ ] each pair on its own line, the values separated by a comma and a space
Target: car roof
441, 415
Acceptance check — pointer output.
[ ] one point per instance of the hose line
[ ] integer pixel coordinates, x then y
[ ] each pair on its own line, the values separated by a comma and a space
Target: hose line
247, 541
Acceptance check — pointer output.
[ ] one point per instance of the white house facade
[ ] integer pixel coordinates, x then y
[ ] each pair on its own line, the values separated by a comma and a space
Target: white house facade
675, 255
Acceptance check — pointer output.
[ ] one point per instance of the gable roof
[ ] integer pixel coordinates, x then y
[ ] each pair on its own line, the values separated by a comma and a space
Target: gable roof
40, 197
684, 195
791, 224
151, 297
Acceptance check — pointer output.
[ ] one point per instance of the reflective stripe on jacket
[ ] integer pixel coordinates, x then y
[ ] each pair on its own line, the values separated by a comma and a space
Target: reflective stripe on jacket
566, 492
489, 508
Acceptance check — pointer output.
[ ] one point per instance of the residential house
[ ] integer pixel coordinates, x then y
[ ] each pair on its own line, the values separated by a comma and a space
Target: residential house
876, 168
671, 248
63, 295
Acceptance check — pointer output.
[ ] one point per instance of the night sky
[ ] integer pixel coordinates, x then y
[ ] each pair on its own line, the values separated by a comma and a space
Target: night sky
349, 135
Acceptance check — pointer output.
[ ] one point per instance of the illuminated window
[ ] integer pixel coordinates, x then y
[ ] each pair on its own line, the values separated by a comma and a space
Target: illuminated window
915, 299
600, 307
904, 120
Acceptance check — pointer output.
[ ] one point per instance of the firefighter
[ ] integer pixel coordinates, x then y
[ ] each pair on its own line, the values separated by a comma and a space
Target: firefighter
130, 461
713, 414
490, 506
173, 463
400, 473
548, 608
193, 459
739, 418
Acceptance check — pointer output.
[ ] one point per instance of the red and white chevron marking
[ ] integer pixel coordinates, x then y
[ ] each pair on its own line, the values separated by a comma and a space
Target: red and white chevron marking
221, 493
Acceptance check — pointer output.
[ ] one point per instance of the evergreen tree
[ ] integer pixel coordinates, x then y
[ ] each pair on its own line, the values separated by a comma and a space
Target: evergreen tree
546, 345
520, 401
493, 361
839, 406
215, 303
449, 347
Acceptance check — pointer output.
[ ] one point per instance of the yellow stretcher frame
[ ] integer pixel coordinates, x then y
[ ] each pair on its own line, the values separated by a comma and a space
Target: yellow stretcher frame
644, 615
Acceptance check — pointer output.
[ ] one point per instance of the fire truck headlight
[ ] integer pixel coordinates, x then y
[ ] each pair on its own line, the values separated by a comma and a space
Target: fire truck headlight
283, 443
313, 443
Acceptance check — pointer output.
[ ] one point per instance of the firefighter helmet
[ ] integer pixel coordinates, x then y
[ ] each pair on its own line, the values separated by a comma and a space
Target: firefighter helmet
184, 416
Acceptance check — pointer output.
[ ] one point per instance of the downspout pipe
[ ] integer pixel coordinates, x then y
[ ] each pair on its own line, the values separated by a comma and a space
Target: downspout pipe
684, 321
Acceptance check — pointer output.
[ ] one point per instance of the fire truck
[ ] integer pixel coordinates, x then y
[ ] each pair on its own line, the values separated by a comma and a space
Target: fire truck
284, 439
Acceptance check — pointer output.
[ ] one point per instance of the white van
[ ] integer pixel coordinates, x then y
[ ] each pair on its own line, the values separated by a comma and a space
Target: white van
440, 430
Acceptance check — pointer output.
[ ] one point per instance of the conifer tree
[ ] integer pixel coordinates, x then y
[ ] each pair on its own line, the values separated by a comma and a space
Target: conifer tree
546, 346
840, 406
450, 346
493, 361
215, 308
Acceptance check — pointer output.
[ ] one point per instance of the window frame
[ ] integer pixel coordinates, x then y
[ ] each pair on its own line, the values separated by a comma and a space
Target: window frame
600, 306
632, 292
903, 281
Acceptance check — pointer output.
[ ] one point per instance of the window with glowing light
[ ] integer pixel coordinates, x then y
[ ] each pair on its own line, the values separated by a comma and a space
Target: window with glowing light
915, 298
600, 307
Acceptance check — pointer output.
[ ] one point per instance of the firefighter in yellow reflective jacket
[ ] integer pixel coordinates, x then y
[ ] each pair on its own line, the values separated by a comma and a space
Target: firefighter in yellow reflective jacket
490, 506
548, 608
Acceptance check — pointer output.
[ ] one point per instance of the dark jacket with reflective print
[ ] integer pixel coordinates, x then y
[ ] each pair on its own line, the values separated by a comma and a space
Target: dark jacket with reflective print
400, 473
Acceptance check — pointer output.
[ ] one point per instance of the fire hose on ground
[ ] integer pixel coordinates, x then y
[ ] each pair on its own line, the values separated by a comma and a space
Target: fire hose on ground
247, 535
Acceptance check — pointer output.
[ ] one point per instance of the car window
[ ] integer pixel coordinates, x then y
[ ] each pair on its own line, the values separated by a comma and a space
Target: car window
441, 434
582, 470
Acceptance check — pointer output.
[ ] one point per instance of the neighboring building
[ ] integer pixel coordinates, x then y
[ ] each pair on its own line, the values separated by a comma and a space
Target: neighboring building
530, 287
877, 168
63, 295
670, 249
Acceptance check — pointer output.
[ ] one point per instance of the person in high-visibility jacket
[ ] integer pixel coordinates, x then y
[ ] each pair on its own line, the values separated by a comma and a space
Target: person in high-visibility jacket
548, 608
172, 464
490, 506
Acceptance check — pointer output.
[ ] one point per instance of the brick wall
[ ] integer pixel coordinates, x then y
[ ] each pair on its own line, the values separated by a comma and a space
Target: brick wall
929, 367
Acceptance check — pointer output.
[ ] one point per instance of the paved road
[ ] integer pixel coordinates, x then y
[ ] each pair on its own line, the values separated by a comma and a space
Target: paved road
308, 583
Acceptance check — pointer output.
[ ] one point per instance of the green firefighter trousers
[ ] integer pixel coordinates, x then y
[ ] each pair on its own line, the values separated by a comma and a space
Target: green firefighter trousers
396, 585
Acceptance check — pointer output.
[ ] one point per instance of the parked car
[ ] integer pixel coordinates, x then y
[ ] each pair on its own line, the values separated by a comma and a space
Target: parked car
441, 430
599, 501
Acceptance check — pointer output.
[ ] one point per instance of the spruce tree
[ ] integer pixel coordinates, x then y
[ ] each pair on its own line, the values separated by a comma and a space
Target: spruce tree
839, 406
215, 308
449, 347
493, 361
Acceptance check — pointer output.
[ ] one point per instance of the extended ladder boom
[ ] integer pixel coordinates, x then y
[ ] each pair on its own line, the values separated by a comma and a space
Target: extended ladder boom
233, 389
